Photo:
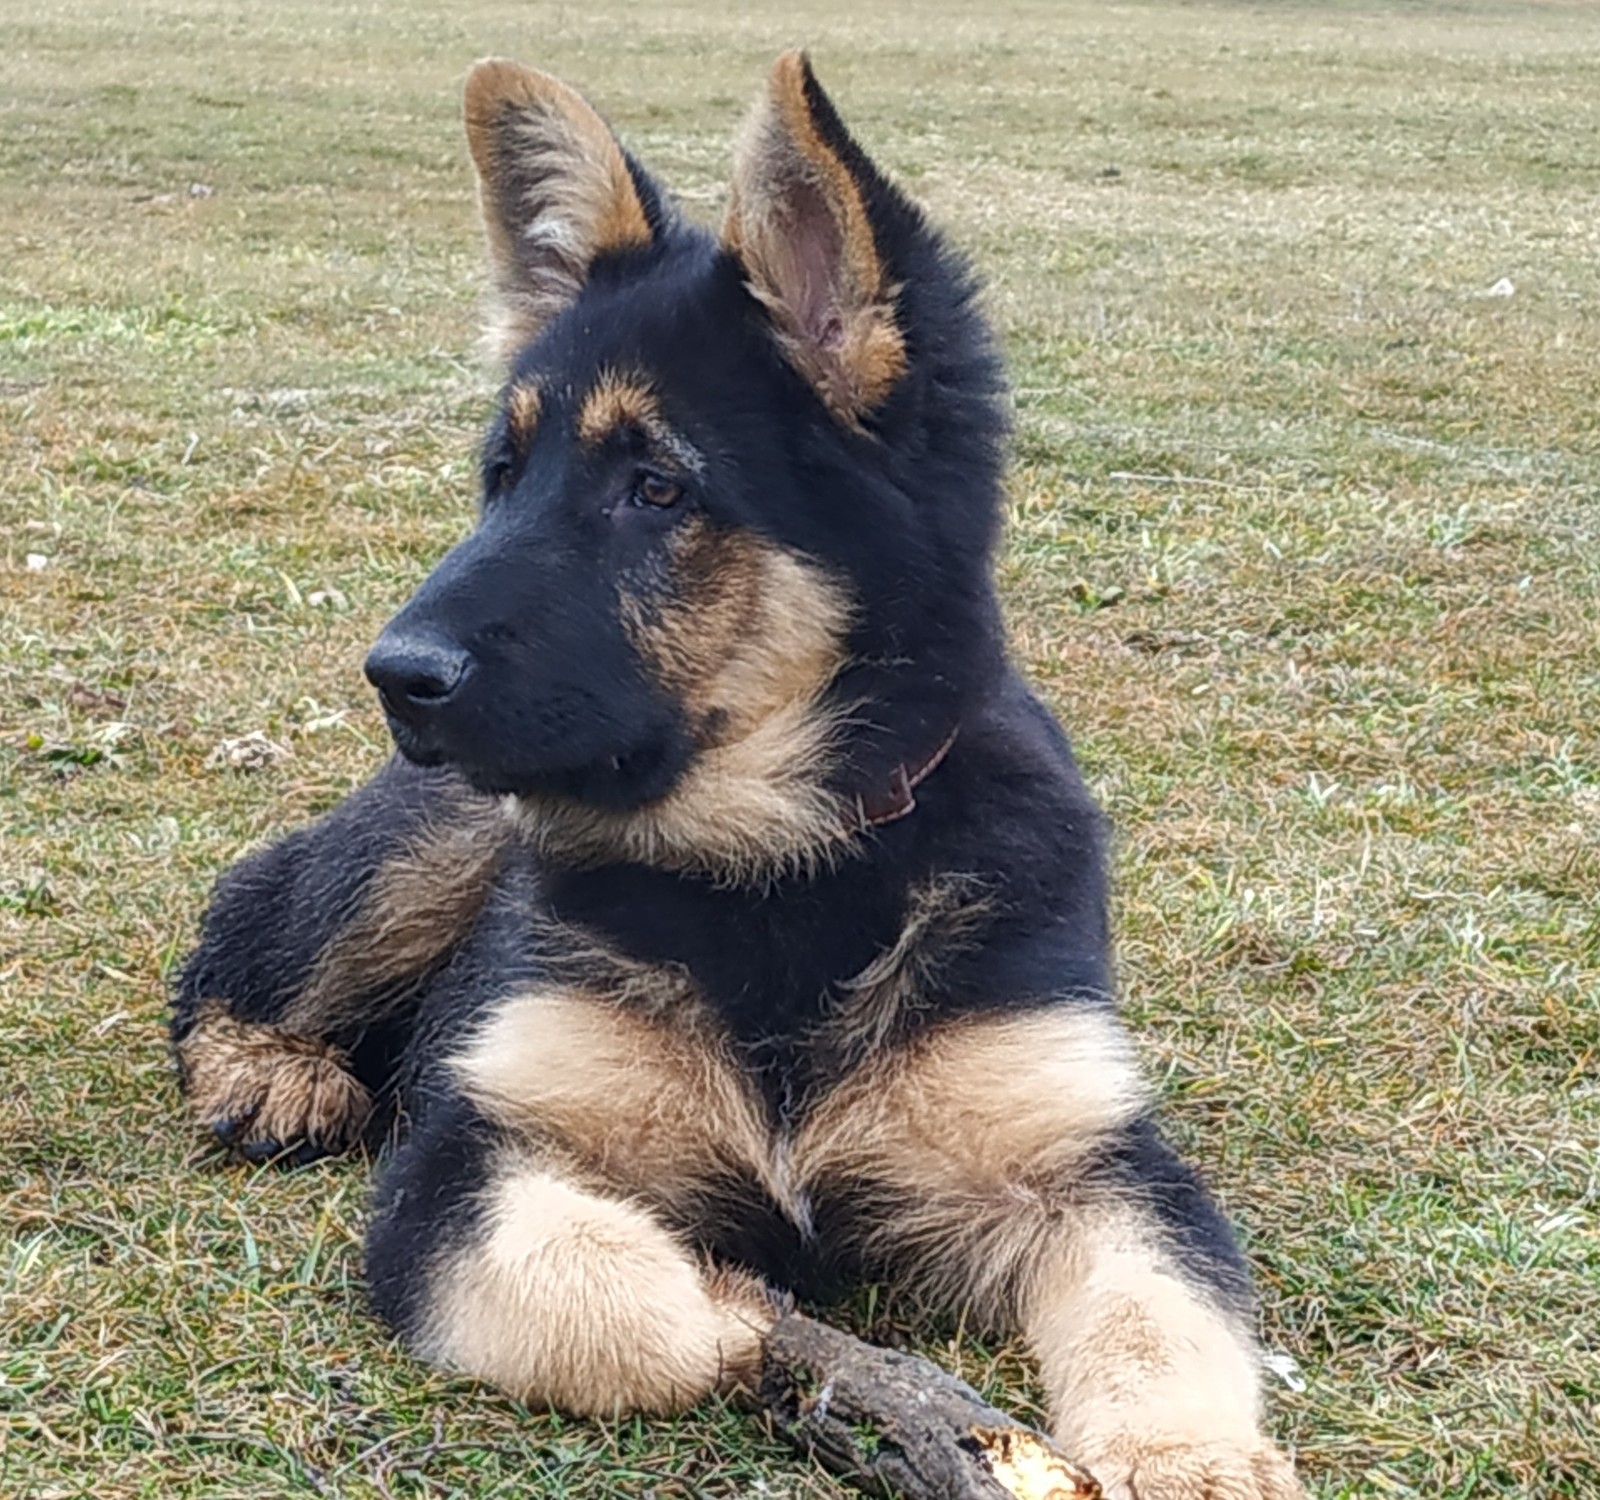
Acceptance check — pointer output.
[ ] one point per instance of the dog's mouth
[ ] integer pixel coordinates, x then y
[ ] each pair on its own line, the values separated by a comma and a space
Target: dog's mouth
620, 781
409, 743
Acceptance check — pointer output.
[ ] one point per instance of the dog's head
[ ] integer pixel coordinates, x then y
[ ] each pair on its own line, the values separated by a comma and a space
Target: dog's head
731, 570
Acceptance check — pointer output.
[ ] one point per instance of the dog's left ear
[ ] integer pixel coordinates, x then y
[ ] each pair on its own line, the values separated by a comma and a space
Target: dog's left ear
556, 190
800, 221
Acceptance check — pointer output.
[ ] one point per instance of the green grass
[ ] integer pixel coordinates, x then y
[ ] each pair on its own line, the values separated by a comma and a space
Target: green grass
1305, 549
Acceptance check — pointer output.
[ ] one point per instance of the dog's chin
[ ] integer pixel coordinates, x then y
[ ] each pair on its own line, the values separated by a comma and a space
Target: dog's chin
619, 782
413, 747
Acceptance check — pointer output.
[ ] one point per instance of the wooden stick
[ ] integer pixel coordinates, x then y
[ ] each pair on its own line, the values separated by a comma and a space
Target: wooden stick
891, 1423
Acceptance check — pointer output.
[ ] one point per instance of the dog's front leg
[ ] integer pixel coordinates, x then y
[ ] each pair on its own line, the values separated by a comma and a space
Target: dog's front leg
1006, 1165
1137, 1313
312, 944
500, 1258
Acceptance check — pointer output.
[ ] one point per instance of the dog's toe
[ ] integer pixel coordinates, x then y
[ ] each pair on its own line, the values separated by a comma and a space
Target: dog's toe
307, 1152
269, 1095
1155, 1468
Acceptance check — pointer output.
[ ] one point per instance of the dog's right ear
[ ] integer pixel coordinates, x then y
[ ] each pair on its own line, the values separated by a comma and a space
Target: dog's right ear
556, 190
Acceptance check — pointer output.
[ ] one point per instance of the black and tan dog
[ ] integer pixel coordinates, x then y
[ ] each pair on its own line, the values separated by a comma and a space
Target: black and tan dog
734, 915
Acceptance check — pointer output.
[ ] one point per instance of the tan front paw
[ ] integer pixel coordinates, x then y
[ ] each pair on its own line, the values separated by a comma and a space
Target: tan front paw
265, 1092
1181, 1468
748, 1308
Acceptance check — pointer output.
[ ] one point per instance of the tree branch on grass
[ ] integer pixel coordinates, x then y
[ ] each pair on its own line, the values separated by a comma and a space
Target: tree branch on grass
891, 1423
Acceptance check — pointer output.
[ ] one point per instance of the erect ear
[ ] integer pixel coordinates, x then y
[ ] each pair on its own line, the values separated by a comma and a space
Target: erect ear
555, 190
799, 219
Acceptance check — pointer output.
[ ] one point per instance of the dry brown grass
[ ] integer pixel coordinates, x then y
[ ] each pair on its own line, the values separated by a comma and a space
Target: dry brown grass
1305, 550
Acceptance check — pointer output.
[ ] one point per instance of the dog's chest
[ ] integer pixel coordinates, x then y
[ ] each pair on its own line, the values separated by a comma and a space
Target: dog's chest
701, 1073
767, 965
637, 1085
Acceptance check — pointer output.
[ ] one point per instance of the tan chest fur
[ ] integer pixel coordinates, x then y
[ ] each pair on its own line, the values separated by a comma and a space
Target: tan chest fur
625, 1074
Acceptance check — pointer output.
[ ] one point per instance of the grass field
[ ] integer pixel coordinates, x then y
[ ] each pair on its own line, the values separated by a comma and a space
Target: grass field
1305, 549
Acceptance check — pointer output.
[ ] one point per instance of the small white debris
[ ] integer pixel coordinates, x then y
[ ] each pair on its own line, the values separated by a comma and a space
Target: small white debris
201, 190
37, 562
1504, 287
194, 442
250, 752
1284, 1367
332, 719
327, 599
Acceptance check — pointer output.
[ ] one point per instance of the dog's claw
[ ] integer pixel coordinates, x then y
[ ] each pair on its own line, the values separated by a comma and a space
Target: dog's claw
265, 1149
257, 1152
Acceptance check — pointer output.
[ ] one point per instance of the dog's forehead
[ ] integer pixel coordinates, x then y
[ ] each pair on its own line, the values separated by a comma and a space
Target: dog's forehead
676, 330
601, 402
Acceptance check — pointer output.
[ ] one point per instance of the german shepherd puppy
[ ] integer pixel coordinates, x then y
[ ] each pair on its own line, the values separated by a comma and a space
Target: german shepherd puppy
733, 915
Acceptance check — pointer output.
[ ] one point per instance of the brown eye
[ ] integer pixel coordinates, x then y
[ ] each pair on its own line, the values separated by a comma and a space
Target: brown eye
657, 490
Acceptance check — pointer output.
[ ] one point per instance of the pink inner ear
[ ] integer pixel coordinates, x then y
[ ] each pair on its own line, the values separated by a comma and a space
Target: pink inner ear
813, 255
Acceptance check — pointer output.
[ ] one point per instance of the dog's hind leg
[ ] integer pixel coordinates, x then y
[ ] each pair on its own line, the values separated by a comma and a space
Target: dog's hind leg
1008, 1165
495, 1258
311, 951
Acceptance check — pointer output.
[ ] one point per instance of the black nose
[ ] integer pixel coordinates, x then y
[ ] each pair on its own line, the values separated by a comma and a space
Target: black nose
416, 671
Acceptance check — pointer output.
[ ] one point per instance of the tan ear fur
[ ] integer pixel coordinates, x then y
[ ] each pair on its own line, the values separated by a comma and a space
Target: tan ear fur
798, 221
554, 190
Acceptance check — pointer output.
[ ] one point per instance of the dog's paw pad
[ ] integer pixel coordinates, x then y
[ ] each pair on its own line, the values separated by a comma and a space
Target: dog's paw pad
257, 1151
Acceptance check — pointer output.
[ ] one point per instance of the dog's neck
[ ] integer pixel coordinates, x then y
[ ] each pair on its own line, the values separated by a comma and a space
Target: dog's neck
889, 802
904, 715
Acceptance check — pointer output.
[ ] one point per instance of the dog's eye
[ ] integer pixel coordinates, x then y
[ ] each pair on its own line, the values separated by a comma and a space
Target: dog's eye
497, 469
656, 490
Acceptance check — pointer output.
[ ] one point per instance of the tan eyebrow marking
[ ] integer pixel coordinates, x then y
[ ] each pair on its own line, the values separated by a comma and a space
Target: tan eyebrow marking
522, 411
618, 401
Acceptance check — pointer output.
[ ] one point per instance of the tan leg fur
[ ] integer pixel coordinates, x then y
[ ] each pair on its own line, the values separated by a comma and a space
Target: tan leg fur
587, 1303
1151, 1386
968, 1148
953, 1146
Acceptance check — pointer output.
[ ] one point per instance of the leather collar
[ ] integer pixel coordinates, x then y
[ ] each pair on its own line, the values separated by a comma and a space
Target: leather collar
894, 801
